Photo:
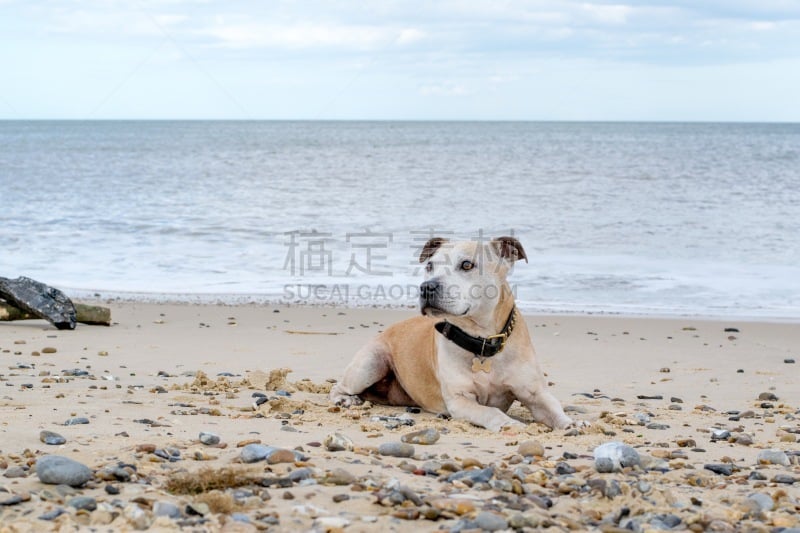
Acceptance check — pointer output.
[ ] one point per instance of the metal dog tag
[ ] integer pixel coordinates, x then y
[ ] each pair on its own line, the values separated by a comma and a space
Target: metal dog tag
481, 366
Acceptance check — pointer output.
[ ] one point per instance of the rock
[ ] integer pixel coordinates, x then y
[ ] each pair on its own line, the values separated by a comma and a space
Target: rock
113, 490
136, 517
52, 515
530, 448
785, 479
743, 439
482, 475
772, 457
14, 499
396, 449
281, 455
336, 442
767, 397
252, 453
83, 502
720, 434
58, 470
489, 521
789, 361
197, 509
563, 468
458, 506
76, 421
168, 509
14, 472
209, 439
422, 436
300, 474
764, 502
721, 469
339, 476
51, 438
614, 456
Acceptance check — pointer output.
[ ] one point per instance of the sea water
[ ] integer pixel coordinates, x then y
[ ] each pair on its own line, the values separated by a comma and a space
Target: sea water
633, 218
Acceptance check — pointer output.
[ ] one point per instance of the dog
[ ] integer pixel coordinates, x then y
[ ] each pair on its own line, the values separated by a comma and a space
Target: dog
469, 355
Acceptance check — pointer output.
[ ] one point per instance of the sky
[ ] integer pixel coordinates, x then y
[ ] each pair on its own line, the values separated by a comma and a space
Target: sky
687, 60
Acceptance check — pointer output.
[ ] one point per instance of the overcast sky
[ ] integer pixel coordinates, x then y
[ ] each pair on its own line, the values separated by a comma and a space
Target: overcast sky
715, 60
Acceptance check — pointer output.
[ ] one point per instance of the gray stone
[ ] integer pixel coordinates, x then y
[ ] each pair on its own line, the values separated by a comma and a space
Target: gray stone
252, 453
52, 438
58, 470
13, 472
86, 503
168, 509
721, 469
488, 521
614, 456
763, 501
209, 439
396, 449
482, 475
773, 457
76, 421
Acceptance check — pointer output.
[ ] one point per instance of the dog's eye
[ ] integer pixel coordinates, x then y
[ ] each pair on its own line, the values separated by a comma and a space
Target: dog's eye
467, 265
429, 267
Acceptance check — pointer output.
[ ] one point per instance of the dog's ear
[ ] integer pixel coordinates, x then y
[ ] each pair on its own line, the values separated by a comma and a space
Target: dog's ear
509, 248
430, 248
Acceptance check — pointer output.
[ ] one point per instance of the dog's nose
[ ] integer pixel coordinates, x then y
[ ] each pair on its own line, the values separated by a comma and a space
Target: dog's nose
429, 289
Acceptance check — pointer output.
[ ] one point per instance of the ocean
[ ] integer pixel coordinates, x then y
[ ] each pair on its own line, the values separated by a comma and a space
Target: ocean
620, 218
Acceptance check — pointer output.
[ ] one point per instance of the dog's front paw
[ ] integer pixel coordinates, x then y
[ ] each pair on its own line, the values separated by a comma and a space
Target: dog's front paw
346, 400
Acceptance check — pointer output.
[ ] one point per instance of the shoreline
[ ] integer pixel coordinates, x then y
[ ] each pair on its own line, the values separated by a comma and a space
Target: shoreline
246, 299
662, 386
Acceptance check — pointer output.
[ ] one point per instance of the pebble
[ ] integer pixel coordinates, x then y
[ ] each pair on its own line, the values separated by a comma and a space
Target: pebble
252, 453
51, 438
14, 472
422, 436
52, 515
789, 361
396, 449
478, 475
720, 434
530, 448
136, 517
336, 442
58, 470
489, 521
772, 457
721, 469
86, 503
339, 476
767, 397
763, 501
76, 421
49, 349
784, 479
614, 456
743, 439
168, 509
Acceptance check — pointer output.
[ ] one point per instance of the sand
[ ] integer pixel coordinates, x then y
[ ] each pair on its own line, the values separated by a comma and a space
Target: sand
142, 391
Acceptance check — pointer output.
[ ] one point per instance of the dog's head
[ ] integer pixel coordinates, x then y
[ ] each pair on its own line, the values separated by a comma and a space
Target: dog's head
466, 278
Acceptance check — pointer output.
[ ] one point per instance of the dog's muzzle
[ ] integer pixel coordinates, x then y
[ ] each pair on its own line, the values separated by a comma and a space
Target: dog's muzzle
429, 294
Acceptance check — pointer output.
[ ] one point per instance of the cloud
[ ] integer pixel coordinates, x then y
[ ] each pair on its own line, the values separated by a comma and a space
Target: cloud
298, 36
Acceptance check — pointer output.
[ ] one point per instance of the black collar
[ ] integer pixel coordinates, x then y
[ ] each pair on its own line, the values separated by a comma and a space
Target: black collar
480, 346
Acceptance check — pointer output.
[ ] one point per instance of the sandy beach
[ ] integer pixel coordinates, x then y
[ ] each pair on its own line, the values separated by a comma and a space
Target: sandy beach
703, 402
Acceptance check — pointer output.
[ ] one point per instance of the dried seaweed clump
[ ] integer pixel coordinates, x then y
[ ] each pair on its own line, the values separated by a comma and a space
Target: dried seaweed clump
208, 479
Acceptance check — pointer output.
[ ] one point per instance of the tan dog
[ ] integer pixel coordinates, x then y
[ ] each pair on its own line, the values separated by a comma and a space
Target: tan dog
469, 356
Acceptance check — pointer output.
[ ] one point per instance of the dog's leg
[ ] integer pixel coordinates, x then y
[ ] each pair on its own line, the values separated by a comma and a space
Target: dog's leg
545, 408
369, 365
466, 407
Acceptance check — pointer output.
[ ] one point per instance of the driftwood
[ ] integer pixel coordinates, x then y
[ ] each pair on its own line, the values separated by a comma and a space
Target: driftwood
93, 315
